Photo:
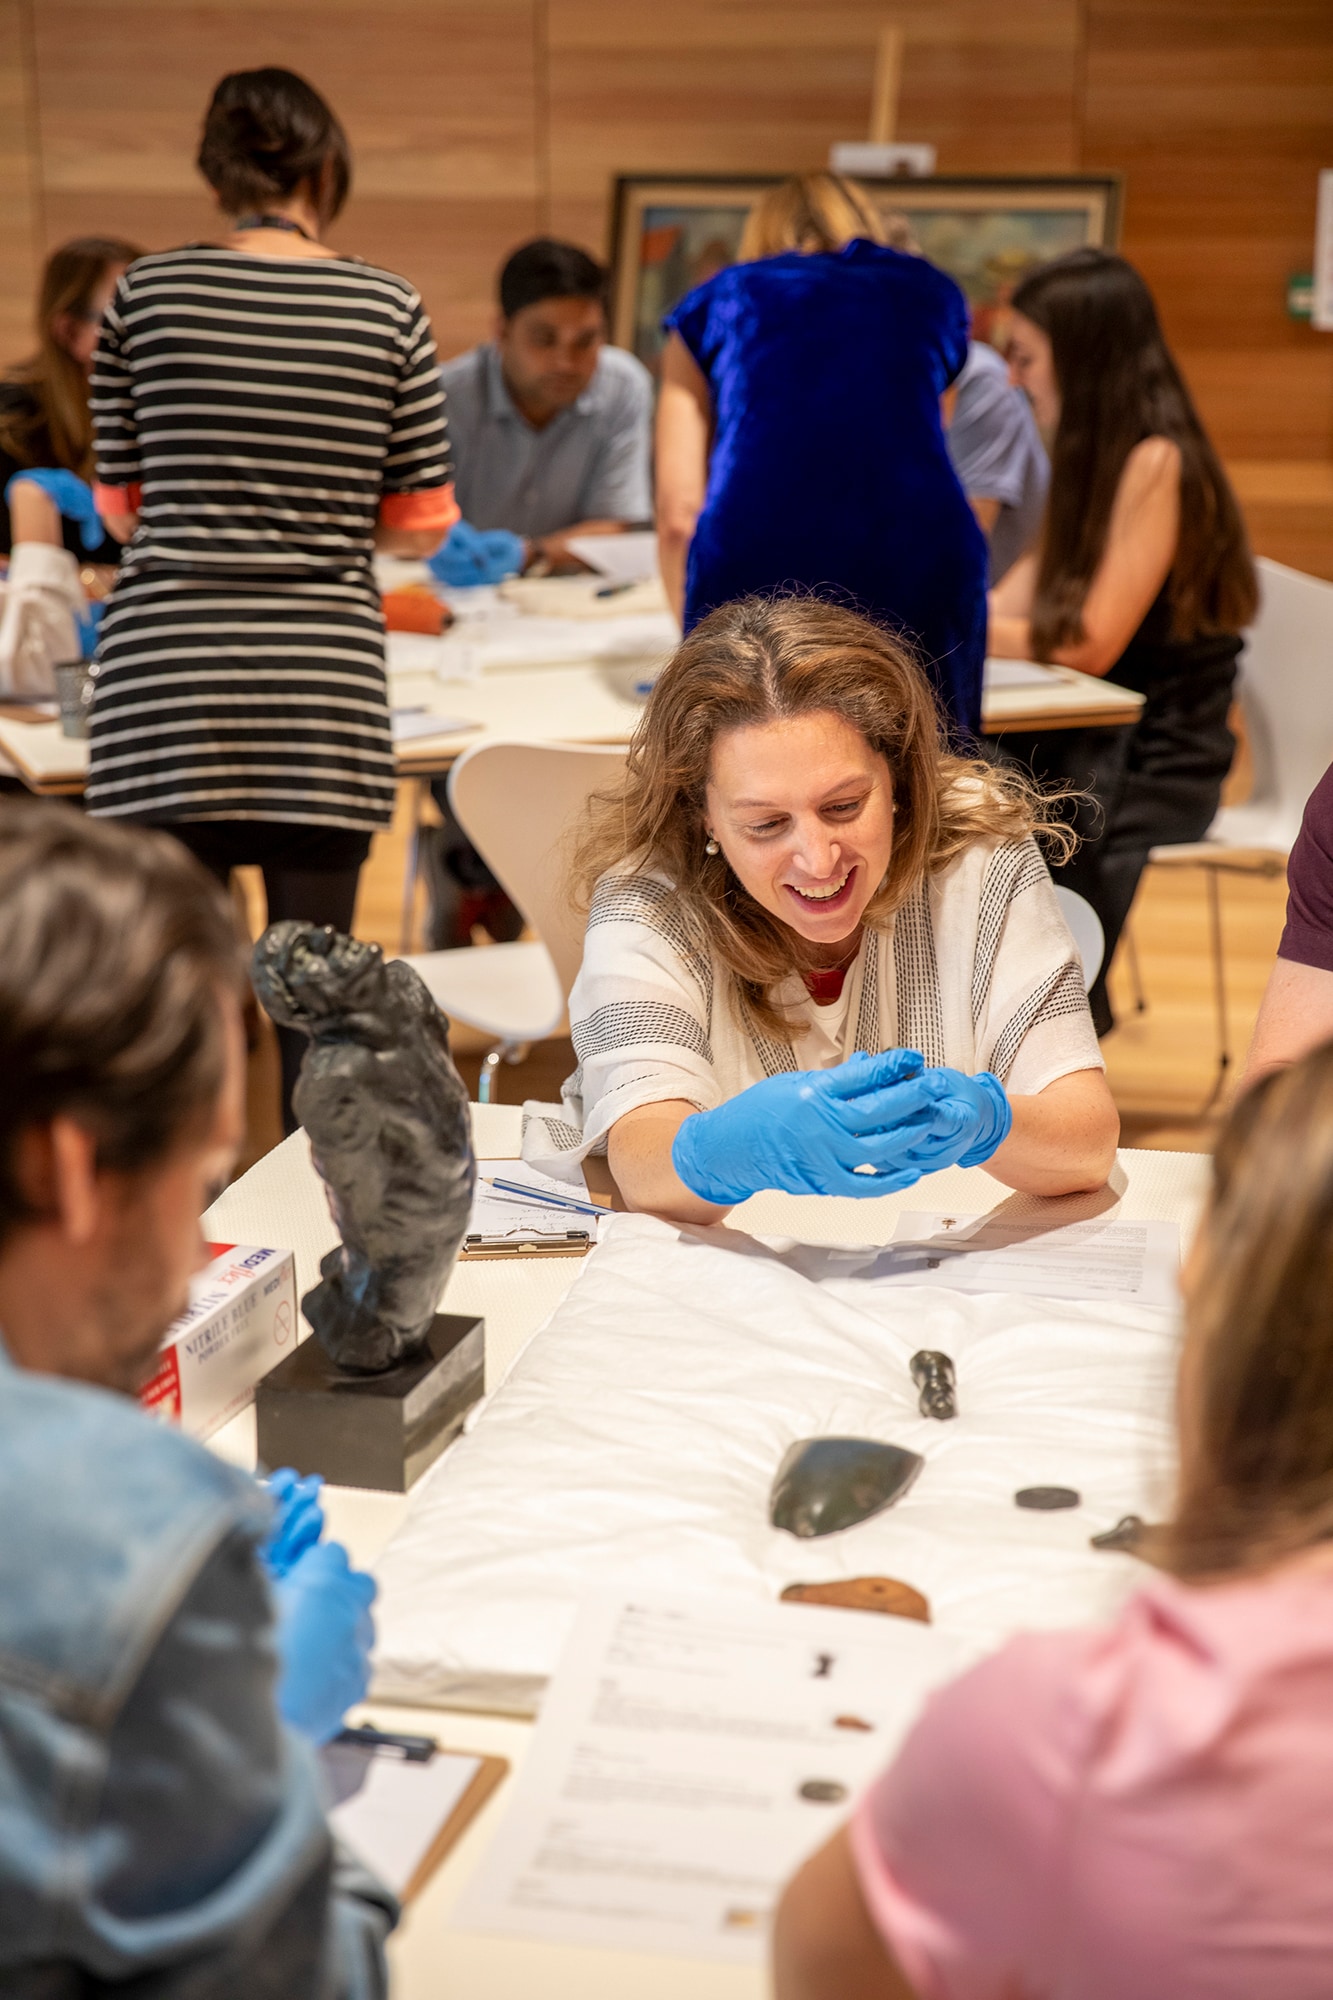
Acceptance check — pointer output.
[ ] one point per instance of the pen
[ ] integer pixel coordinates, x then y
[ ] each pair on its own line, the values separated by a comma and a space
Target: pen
412, 1749
540, 1194
613, 590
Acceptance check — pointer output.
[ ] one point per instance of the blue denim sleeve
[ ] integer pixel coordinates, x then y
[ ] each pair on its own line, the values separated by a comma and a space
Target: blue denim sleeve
207, 1858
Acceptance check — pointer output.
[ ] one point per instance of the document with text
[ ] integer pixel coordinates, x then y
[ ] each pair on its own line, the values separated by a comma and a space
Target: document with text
690, 1754
1098, 1259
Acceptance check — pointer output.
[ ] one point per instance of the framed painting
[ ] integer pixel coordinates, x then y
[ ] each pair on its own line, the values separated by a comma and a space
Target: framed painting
670, 233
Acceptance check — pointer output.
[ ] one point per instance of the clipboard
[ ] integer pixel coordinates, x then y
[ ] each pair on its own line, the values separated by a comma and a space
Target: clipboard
391, 1820
567, 1243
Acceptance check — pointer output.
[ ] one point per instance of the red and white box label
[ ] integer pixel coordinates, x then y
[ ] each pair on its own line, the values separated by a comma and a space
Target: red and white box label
240, 1322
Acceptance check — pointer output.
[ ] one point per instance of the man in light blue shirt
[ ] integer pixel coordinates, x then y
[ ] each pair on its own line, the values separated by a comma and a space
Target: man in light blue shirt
998, 455
550, 427
551, 431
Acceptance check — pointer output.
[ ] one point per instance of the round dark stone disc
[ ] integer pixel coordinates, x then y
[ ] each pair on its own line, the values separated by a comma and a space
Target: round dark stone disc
1048, 1499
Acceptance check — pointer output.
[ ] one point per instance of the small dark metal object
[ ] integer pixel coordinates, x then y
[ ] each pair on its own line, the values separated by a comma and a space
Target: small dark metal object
1127, 1533
387, 1117
380, 1431
822, 1791
934, 1376
825, 1484
1048, 1499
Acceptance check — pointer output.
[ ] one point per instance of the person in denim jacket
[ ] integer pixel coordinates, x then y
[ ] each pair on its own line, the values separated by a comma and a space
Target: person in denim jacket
161, 1832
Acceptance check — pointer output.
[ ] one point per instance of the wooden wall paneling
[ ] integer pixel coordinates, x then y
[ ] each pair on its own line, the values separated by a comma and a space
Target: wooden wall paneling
20, 190
437, 97
743, 85
1220, 112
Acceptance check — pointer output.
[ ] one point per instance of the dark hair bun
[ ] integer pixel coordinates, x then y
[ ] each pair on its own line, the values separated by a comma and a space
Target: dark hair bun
268, 133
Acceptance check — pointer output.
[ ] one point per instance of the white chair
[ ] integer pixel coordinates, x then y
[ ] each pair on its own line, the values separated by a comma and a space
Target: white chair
1286, 695
518, 804
1085, 927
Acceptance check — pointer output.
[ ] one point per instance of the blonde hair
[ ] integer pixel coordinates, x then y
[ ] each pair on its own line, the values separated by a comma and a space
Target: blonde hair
1256, 1405
763, 660
809, 212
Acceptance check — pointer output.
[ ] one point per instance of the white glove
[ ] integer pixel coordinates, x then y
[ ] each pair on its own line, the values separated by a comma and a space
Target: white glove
39, 628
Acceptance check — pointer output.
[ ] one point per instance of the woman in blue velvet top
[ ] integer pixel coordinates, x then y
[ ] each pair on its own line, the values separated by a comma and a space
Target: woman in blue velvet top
799, 436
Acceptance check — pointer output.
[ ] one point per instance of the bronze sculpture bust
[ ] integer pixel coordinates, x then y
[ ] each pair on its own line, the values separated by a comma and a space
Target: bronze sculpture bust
387, 1117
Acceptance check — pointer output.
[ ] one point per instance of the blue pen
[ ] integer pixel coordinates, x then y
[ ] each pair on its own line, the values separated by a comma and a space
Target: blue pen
540, 1194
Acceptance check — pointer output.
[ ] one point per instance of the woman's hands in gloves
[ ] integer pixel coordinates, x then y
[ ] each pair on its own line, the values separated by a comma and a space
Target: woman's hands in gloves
324, 1639
869, 1126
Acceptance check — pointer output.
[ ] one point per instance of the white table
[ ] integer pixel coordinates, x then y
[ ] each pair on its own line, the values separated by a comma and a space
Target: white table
580, 703
281, 1201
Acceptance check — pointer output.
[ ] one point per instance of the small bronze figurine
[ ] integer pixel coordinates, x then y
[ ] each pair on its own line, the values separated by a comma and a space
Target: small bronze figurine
934, 1377
387, 1117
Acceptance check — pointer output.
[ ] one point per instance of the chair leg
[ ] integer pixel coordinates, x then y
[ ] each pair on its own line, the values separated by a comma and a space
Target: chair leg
1130, 943
503, 1052
416, 792
1214, 879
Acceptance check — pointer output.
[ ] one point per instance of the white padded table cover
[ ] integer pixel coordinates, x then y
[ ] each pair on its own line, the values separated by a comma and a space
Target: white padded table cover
634, 1443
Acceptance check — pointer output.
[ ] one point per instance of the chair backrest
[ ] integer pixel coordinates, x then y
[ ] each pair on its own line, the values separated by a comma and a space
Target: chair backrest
1085, 927
518, 803
1286, 688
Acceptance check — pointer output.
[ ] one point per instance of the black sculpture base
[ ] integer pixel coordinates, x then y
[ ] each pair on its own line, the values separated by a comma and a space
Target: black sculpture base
371, 1430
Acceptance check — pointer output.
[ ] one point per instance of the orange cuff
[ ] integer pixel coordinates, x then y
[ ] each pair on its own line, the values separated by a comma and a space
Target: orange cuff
118, 499
436, 508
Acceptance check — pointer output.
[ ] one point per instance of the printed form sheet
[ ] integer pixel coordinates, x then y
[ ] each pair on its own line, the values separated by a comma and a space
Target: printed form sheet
1134, 1261
690, 1754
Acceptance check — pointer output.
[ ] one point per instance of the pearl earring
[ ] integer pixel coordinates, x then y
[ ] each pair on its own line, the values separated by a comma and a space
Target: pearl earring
711, 846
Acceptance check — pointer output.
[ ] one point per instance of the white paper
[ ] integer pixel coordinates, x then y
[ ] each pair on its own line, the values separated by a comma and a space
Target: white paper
407, 724
660, 1807
495, 1213
387, 1810
628, 558
1136, 1261
1017, 673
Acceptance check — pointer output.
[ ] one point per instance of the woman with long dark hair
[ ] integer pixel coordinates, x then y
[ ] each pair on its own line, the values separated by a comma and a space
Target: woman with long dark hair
1142, 574
1142, 1810
268, 414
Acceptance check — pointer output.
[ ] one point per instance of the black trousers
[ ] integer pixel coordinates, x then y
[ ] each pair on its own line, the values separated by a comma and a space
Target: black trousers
1156, 782
310, 873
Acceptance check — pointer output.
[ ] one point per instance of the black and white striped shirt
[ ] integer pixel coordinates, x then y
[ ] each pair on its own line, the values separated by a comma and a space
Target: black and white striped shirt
261, 415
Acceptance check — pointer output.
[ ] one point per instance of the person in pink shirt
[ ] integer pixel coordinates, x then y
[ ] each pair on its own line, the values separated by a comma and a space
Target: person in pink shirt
1143, 1812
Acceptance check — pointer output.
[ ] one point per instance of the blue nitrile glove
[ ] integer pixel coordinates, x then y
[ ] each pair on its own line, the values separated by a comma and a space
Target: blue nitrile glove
324, 1639
298, 1522
940, 1118
471, 555
806, 1133
72, 495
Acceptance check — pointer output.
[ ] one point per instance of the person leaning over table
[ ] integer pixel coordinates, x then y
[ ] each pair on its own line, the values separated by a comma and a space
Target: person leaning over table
823, 954
168, 1650
1142, 574
552, 437
1296, 1014
1141, 1812
268, 413
799, 434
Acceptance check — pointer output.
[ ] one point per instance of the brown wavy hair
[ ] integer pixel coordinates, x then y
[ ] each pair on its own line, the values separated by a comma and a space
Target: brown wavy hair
1256, 1405
1119, 384
761, 660
52, 425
